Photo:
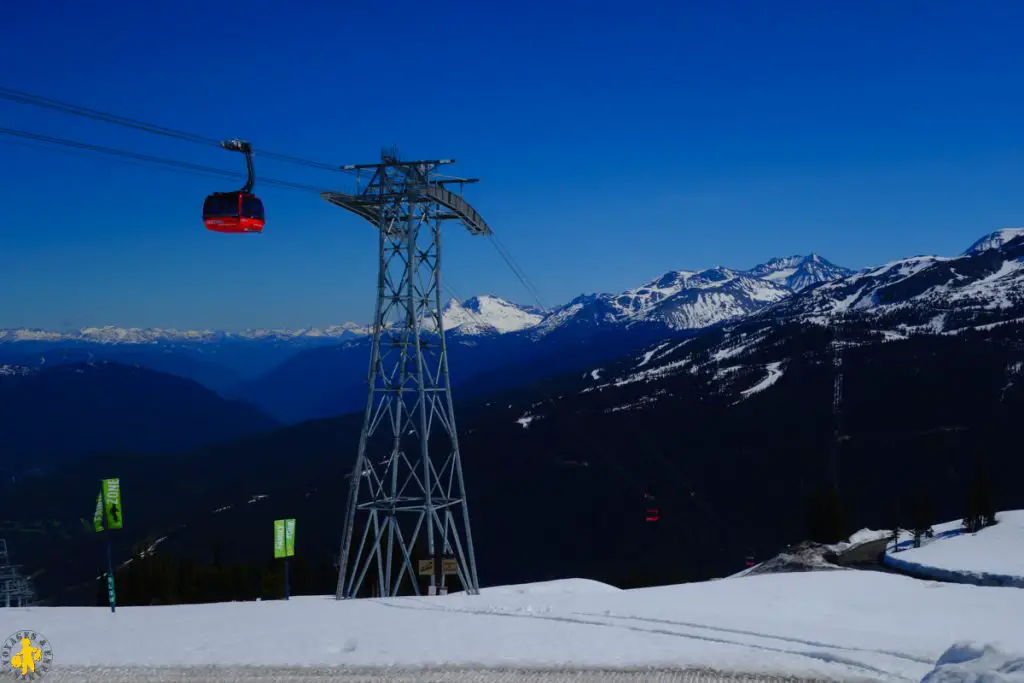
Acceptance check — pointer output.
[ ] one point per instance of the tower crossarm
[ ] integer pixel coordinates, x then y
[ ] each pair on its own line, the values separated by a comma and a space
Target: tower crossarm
460, 207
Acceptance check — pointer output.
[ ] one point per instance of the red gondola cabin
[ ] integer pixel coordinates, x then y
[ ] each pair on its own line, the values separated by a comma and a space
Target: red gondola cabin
238, 211
233, 212
653, 513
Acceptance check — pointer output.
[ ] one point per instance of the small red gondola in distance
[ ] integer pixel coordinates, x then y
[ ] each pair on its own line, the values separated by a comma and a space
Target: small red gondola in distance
653, 513
239, 211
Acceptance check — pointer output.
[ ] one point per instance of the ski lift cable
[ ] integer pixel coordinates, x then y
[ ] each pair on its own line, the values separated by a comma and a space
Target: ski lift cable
22, 97
517, 271
148, 158
87, 155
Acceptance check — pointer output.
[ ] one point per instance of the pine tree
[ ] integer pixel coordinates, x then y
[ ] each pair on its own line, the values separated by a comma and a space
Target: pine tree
826, 520
981, 509
922, 516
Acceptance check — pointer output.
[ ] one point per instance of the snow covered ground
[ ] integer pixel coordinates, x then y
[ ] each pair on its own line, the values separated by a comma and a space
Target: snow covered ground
994, 553
839, 625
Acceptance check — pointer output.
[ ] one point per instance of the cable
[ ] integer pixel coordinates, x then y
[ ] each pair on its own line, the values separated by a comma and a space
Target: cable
517, 271
147, 158
86, 155
107, 117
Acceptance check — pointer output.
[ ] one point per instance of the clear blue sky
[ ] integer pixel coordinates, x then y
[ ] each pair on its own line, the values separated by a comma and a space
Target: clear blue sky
615, 141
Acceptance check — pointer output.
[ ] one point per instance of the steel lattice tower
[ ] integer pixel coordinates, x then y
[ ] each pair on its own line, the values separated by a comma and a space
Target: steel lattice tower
15, 589
407, 491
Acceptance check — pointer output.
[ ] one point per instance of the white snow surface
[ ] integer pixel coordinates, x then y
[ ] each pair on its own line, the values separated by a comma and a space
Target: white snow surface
844, 624
997, 549
967, 662
868, 535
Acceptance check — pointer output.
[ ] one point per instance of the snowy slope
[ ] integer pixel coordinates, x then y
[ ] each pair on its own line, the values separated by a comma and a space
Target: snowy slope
844, 625
996, 550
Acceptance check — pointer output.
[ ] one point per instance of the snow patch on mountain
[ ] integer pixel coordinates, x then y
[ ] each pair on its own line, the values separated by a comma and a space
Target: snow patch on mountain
774, 371
990, 287
645, 375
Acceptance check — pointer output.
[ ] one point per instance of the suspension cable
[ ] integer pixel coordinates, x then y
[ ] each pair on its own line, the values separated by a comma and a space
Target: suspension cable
148, 158
22, 97
517, 271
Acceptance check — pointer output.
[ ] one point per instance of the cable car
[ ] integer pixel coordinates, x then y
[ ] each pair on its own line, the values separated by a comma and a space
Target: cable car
653, 513
239, 211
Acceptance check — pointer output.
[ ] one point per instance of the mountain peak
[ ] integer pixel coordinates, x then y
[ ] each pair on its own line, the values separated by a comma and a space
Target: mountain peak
994, 240
486, 313
799, 272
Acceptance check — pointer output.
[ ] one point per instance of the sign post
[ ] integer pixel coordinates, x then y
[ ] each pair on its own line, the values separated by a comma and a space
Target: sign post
109, 516
449, 567
284, 547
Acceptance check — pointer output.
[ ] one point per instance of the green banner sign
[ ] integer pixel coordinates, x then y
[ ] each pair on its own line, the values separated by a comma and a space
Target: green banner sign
284, 538
112, 503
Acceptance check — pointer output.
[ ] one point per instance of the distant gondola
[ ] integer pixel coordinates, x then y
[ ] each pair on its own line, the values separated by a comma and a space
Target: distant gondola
653, 513
239, 211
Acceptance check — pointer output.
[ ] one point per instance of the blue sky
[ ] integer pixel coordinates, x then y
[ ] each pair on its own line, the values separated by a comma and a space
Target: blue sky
615, 141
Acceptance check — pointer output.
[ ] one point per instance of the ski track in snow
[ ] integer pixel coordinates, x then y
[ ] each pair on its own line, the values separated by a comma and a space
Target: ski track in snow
665, 628
774, 373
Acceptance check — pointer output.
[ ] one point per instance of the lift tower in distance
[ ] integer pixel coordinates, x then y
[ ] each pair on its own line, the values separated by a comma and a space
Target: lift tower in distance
407, 497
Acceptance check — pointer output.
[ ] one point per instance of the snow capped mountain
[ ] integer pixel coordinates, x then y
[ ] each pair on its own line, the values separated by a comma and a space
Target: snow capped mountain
679, 300
981, 290
487, 315
984, 285
994, 240
799, 272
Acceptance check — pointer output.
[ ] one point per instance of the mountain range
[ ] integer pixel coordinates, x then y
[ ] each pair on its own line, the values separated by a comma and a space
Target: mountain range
296, 375
733, 428
679, 299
